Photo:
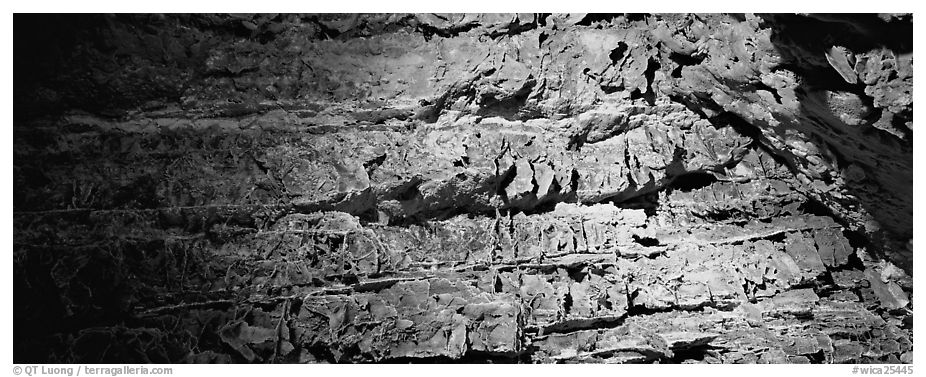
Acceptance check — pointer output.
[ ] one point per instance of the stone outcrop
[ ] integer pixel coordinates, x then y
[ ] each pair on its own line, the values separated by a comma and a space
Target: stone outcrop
463, 188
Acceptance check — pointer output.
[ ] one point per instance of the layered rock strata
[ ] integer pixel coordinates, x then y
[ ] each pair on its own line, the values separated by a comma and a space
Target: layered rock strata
463, 188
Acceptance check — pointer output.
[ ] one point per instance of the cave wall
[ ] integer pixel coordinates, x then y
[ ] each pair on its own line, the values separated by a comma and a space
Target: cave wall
719, 188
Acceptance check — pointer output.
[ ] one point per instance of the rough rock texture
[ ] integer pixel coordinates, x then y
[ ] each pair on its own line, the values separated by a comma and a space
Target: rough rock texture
475, 188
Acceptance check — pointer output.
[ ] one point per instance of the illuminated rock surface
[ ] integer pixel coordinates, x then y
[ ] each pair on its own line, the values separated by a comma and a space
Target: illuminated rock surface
473, 188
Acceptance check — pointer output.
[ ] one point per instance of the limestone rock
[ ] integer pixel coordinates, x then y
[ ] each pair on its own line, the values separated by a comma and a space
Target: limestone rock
534, 188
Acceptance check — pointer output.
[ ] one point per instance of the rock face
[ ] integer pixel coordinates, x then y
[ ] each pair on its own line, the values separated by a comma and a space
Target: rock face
463, 188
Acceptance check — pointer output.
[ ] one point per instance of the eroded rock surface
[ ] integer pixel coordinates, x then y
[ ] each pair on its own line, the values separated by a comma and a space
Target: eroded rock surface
463, 188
